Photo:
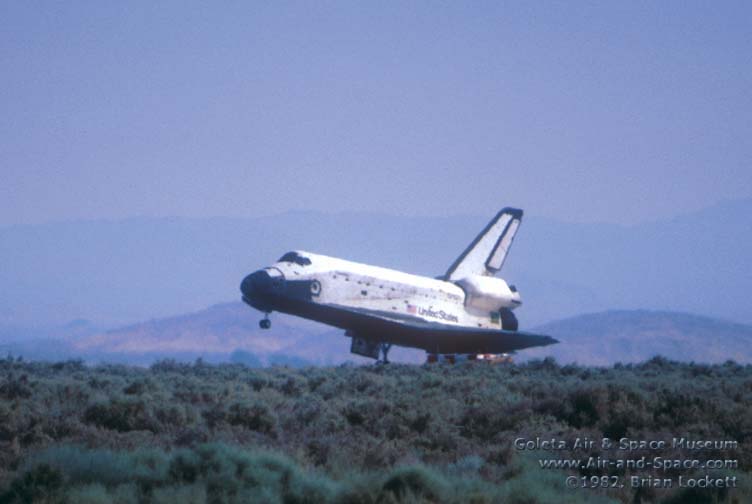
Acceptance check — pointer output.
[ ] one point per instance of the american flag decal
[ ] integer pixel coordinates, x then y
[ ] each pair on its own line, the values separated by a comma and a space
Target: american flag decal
411, 309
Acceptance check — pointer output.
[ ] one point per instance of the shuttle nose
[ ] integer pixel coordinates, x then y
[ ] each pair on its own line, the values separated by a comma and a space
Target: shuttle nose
260, 282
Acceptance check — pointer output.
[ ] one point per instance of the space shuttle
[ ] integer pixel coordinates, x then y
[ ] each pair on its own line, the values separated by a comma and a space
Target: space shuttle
468, 311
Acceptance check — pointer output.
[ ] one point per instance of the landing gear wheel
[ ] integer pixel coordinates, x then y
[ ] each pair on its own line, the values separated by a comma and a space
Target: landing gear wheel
384, 349
265, 323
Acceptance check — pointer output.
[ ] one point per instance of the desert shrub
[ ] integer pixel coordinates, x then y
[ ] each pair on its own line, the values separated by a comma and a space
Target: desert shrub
315, 380
148, 466
122, 414
255, 416
442, 439
231, 473
85, 466
140, 386
528, 484
355, 413
42, 483
415, 484
368, 414
293, 386
626, 411
418, 483
194, 493
420, 422
173, 416
353, 423
186, 466
245, 358
739, 495
126, 493
170, 366
15, 387
484, 421
675, 407
305, 411
94, 493
548, 364
214, 473
588, 407
580, 408
467, 466
657, 363
737, 423
191, 390
69, 365
382, 455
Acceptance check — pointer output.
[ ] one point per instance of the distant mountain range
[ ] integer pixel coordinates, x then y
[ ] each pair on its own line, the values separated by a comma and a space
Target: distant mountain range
115, 273
230, 332
637, 335
215, 334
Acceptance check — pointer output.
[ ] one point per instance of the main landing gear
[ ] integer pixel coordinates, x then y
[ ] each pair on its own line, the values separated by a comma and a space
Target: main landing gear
265, 323
384, 350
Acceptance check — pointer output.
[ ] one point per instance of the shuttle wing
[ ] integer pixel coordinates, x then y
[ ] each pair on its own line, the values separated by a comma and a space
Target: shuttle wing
433, 337
486, 254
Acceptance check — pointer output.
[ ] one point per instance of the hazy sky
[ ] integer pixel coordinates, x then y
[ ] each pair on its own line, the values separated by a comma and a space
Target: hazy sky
586, 111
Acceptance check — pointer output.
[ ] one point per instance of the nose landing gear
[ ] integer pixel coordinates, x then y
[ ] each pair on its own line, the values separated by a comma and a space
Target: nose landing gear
265, 323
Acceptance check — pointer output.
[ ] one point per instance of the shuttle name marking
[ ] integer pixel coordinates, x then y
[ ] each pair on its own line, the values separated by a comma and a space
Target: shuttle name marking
427, 312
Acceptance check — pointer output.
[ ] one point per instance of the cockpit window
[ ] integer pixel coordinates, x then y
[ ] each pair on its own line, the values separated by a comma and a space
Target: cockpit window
294, 257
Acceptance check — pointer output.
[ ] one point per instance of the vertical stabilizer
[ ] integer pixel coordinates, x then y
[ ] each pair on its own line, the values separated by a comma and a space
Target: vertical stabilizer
486, 254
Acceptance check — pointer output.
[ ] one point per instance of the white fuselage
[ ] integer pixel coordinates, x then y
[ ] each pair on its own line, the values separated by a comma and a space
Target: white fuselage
360, 286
